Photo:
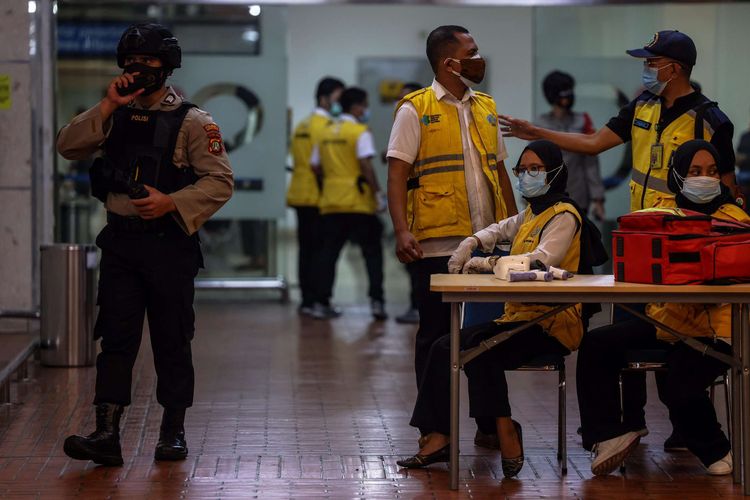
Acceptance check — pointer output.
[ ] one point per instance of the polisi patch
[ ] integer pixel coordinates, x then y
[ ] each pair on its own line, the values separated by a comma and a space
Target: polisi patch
139, 118
215, 145
641, 124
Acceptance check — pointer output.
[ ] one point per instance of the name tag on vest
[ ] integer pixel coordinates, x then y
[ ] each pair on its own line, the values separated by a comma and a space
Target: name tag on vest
641, 124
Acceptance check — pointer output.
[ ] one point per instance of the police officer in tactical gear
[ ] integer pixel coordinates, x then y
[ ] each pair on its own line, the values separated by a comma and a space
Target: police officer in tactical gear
162, 173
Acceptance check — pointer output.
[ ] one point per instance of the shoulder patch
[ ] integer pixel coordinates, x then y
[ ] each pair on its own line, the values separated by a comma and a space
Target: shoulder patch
215, 143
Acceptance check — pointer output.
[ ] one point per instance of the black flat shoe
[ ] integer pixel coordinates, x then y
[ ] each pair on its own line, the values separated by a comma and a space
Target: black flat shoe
418, 461
512, 466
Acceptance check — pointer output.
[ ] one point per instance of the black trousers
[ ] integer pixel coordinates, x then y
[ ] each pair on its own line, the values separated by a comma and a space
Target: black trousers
434, 320
151, 274
601, 356
309, 241
365, 230
413, 302
488, 388
434, 314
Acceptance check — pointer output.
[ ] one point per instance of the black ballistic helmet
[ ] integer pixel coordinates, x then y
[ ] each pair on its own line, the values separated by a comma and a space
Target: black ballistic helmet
149, 39
557, 85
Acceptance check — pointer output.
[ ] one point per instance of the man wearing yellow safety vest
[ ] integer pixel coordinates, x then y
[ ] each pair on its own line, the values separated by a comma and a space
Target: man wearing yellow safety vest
446, 176
304, 193
667, 114
349, 199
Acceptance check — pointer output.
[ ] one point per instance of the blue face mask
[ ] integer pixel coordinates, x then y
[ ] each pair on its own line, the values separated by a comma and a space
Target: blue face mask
365, 116
531, 187
651, 80
701, 189
335, 109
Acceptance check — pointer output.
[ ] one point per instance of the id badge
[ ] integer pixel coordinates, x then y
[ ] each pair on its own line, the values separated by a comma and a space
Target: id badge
657, 155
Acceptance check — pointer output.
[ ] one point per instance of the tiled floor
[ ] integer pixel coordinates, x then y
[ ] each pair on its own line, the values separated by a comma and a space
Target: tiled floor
292, 408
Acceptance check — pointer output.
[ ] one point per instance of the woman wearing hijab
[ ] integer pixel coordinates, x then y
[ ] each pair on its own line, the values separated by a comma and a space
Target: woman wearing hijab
694, 178
551, 230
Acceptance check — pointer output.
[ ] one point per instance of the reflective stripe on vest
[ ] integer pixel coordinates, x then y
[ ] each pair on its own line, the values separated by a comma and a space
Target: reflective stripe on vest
437, 203
303, 188
648, 186
565, 326
343, 191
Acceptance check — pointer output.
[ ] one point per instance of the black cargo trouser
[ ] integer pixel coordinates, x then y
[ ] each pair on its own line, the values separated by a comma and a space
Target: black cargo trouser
366, 231
146, 273
309, 241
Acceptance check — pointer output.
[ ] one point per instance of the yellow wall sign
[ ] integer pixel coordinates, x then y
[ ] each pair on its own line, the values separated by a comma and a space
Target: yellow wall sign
5, 92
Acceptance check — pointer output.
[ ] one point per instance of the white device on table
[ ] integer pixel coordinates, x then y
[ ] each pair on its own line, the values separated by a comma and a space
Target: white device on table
508, 263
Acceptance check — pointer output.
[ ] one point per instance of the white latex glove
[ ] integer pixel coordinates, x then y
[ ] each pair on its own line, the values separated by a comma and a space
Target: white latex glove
462, 254
478, 265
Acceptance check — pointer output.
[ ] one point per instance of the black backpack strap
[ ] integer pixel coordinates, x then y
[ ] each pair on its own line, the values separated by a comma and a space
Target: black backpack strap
700, 114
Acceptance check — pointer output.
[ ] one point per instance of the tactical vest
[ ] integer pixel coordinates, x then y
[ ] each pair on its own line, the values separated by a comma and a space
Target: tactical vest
698, 320
648, 184
303, 188
344, 188
437, 201
141, 145
565, 326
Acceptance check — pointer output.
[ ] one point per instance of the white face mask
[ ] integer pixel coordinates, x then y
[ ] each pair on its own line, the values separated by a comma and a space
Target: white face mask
701, 189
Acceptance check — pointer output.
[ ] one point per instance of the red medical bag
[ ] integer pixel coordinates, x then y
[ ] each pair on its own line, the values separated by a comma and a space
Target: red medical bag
679, 247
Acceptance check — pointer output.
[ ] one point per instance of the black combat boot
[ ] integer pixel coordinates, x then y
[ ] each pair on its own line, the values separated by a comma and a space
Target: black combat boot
103, 445
172, 444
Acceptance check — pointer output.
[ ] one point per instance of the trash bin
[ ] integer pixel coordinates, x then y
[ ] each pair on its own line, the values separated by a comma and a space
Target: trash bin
67, 304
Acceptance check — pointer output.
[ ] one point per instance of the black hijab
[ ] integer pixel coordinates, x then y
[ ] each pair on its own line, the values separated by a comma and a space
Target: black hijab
593, 252
679, 165
552, 159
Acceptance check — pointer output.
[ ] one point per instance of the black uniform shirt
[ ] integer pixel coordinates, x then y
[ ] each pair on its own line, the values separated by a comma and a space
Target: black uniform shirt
723, 128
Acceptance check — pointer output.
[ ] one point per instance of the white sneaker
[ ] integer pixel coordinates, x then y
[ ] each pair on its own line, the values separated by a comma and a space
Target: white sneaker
612, 452
722, 467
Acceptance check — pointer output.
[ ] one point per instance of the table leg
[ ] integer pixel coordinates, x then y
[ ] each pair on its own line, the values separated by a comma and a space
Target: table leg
455, 392
735, 376
745, 331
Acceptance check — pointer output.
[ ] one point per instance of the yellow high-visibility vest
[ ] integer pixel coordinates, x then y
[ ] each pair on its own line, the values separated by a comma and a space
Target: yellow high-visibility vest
437, 202
303, 189
698, 320
344, 188
565, 326
648, 184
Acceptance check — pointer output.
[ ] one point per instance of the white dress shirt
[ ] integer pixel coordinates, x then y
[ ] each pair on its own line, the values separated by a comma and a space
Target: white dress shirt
404, 145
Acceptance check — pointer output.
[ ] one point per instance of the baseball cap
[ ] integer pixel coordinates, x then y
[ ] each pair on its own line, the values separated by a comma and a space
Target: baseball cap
669, 43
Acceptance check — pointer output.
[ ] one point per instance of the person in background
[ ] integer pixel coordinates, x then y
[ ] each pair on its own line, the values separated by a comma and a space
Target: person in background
693, 176
304, 192
585, 181
743, 163
349, 199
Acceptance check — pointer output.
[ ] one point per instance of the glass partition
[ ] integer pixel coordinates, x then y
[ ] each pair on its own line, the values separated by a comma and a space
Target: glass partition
233, 66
